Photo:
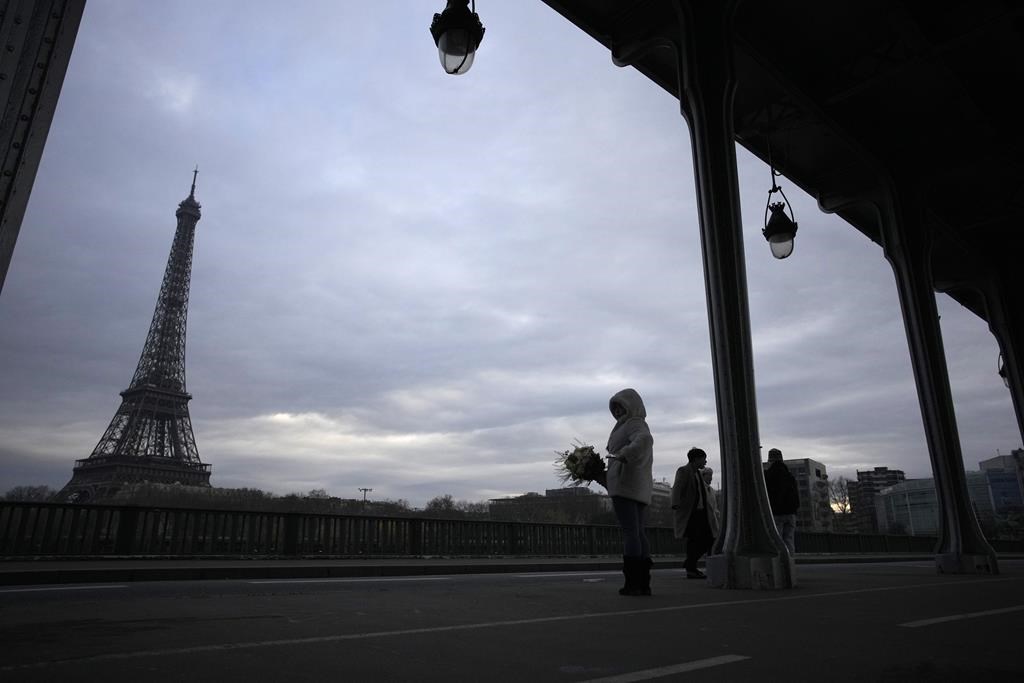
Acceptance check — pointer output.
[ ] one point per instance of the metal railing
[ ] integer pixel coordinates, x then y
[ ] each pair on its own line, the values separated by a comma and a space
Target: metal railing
55, 529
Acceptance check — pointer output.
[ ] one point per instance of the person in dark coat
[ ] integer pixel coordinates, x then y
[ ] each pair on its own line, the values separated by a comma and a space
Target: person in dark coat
783, 496
691, 503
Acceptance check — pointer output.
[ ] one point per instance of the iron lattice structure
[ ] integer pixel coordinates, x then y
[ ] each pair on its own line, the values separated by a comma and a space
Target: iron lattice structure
150, 437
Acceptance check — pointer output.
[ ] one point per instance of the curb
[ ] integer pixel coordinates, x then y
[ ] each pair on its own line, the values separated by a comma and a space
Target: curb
215, 573
207, 570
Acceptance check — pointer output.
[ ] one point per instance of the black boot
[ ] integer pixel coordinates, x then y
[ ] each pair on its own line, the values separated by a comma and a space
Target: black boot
627, 574
631, 571
645, 575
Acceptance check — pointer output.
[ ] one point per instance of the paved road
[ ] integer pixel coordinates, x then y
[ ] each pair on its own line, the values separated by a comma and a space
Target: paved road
865, 622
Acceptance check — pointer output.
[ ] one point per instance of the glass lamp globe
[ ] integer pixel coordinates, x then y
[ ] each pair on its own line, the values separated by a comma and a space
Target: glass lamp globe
457, 32
781, 245
456, 49
780, 231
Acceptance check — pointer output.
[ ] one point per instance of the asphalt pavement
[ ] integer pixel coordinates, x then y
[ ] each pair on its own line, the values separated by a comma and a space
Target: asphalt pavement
891, 621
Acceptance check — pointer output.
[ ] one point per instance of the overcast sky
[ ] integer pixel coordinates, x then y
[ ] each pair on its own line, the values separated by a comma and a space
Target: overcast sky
425, 284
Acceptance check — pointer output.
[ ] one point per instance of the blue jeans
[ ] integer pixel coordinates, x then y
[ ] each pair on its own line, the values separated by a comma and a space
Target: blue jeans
786, 525
632, 516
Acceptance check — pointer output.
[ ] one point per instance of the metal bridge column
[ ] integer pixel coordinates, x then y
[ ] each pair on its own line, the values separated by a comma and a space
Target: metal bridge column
1005, 308
749, 552
962, 548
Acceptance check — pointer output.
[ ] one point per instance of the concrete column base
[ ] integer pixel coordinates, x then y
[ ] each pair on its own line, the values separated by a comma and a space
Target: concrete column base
757, 572
963, 563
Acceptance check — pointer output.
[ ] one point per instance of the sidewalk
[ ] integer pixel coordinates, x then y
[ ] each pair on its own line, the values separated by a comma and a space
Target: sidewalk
15, 572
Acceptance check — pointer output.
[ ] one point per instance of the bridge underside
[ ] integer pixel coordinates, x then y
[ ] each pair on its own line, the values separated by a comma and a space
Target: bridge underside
894, 116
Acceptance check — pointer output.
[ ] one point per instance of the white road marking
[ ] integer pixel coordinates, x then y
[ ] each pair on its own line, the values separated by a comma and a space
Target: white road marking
648, 674
60, 588
811, 566
958, 617
549, 575
362, 579
223, 647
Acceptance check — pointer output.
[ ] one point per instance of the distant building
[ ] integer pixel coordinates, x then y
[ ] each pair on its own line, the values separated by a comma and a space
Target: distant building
659, 513
911, 507
815, 513
571, 505
862, 496
1003, 462
524, 508
1005, 475
1005, 489
661, 494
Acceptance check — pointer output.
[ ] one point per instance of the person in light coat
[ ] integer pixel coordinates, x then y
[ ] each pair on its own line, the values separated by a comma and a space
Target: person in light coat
630, 483
714, 516
692, 518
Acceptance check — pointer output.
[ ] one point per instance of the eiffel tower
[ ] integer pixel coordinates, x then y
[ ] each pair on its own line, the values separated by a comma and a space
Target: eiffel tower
150, 437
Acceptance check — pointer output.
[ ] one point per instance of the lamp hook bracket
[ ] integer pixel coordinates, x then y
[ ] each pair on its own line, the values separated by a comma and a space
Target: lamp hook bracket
776, 188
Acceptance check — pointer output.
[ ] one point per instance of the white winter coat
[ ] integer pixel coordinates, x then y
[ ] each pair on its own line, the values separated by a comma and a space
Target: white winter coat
630, 450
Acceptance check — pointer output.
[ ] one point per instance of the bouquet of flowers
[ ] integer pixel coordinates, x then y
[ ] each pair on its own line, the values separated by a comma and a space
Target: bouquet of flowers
580, 465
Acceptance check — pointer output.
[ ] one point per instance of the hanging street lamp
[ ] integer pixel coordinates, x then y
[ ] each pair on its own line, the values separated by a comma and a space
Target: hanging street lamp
779, 229
1001, 369
457, 33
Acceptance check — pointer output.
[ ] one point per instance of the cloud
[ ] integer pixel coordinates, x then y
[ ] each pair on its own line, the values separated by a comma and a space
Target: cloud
176, 92
423, 284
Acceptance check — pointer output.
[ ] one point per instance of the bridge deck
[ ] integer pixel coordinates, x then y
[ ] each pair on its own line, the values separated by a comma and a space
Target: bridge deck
896, 621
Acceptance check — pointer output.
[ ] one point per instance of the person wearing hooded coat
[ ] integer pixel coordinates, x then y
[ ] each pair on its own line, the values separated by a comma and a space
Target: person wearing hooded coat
630, 482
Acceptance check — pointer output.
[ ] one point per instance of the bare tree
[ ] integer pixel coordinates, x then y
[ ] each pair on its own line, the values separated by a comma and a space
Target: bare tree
839, 495
448, 506
477, 510
30, 494
441, 506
